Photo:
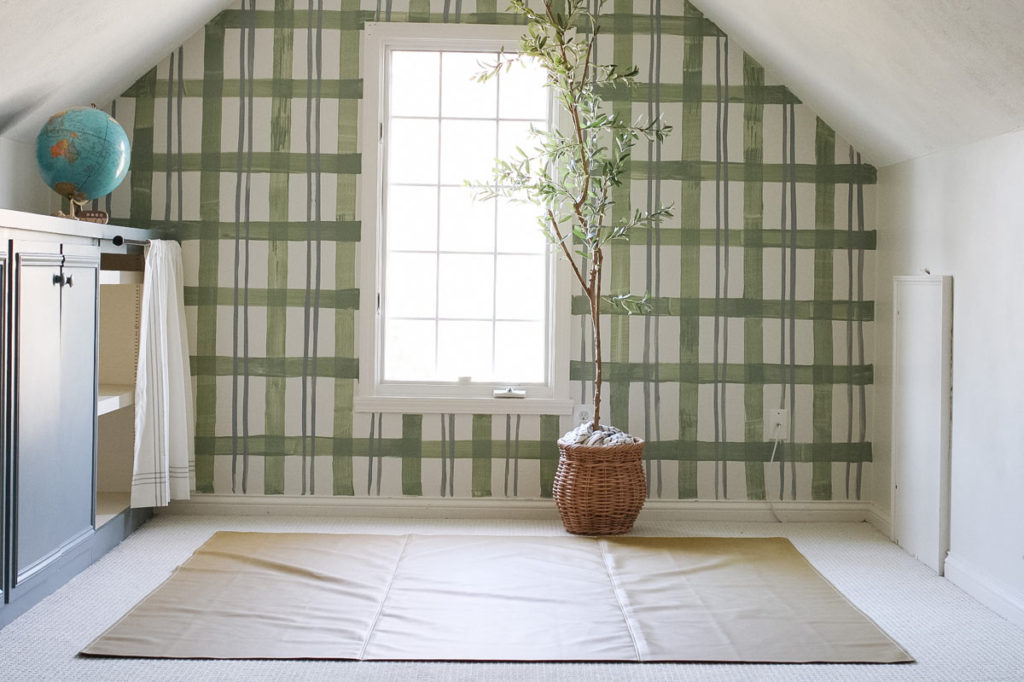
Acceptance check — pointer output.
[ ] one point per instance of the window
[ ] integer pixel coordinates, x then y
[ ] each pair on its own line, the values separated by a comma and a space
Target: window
458, 294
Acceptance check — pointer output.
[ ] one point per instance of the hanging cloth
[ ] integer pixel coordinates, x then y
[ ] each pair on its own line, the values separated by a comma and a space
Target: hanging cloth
164, 416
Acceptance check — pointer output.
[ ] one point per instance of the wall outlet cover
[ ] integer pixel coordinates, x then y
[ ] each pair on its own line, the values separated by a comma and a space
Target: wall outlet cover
582, 413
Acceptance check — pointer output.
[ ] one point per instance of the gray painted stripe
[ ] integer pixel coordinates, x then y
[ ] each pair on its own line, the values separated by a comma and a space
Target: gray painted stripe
862, 435
168, 166
792, 291
317, 229
250, 69
444, 460
649, 255
657, 244
369, 454
716, 407
451, 455
508, 448
782, 294
179, 126
725, 263
236, 374
380, 442
515, 476
849, 325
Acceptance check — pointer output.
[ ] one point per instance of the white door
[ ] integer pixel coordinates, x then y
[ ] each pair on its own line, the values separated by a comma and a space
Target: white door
922, 368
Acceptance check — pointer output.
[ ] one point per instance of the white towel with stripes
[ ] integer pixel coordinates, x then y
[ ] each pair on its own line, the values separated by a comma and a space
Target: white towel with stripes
164, 414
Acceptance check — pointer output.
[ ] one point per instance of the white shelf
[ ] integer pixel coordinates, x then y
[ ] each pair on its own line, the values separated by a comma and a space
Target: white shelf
113, 397
121, 277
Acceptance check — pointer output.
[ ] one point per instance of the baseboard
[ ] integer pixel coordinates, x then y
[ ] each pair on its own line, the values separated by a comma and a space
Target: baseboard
880, 519
1002, 599
520, 508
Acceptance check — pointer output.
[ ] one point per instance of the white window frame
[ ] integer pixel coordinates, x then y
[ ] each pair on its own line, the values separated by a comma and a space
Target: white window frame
373, 394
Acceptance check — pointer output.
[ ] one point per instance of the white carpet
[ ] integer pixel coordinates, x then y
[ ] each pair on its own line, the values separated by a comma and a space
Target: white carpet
952, 636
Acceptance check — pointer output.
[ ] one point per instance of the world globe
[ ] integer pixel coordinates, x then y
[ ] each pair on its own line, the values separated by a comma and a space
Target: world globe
83, 153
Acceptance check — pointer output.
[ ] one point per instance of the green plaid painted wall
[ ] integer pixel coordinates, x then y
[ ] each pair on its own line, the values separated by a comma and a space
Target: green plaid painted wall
245, 146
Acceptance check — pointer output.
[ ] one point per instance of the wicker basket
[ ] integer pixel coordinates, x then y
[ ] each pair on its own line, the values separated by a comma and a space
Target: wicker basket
599, 490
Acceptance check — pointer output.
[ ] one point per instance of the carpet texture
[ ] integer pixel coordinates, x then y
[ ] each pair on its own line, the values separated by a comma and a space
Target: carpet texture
444, 597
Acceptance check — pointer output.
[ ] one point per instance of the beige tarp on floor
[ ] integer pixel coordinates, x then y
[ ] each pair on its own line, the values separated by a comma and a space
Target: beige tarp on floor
432, 597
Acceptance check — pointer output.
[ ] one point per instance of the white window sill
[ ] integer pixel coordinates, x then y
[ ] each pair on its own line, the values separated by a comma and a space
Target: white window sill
419, 405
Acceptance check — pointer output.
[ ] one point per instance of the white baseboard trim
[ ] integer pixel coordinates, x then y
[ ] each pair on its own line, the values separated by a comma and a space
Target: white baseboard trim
1002, 599
520, 508
880, 519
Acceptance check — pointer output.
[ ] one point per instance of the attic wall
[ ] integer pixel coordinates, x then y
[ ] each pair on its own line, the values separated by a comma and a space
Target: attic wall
761, 281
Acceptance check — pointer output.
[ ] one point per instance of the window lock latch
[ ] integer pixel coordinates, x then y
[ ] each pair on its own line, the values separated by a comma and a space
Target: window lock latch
509, 392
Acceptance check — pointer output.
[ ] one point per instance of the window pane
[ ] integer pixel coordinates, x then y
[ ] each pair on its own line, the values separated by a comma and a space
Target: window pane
519, 288
412, 151
412, 218
409, 350
519, 352
461, 95
466, 224
513, 134
464, 350
523, 94
409, 287
415, 83
467, 151
465, 286
518, 229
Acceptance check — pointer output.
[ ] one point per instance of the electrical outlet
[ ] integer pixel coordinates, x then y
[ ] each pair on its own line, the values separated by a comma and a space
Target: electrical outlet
582, 413
776, 425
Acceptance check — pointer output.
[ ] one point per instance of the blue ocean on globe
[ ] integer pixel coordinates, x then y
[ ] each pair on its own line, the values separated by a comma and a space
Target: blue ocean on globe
83, 153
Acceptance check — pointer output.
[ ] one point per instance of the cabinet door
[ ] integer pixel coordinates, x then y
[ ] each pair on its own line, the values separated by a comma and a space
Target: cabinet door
53, 479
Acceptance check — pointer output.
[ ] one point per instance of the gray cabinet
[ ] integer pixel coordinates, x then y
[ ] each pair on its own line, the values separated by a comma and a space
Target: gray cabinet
53, 413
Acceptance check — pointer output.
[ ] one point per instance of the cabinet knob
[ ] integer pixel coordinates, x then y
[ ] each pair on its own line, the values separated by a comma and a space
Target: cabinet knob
67, 280
58, 279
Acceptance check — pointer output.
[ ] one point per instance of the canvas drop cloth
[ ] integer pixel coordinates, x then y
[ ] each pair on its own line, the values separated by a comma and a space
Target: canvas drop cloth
432, 597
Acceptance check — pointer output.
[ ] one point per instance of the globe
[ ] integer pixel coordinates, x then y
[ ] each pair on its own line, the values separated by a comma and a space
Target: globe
83, 153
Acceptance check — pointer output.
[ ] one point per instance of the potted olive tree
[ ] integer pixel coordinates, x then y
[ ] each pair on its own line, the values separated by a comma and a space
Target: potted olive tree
571, 173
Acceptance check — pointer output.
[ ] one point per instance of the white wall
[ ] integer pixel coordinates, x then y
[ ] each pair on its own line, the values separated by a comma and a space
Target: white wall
962, 213
21, 187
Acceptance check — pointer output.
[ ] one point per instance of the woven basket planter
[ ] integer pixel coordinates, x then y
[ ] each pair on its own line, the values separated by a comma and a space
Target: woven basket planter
599, 490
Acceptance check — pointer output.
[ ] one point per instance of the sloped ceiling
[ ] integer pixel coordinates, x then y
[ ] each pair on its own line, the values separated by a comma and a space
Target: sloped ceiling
899, 79
58, 54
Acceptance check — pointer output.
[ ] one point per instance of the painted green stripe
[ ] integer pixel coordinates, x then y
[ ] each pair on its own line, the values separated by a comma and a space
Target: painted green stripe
742, 307
412, 452
737, 372
482, 453
280, 161
330, 230
276, 369
347, 299
546, 450
738, 172
689, 258
754, 238
267, 87
345, 260
209, 258
616, 340
678, 92
487, 13
142, 145
667, 450
821, 401
419, 11
753, 267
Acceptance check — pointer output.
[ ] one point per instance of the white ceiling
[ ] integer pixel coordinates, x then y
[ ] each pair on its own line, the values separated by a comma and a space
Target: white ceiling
898, 78
56, 54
